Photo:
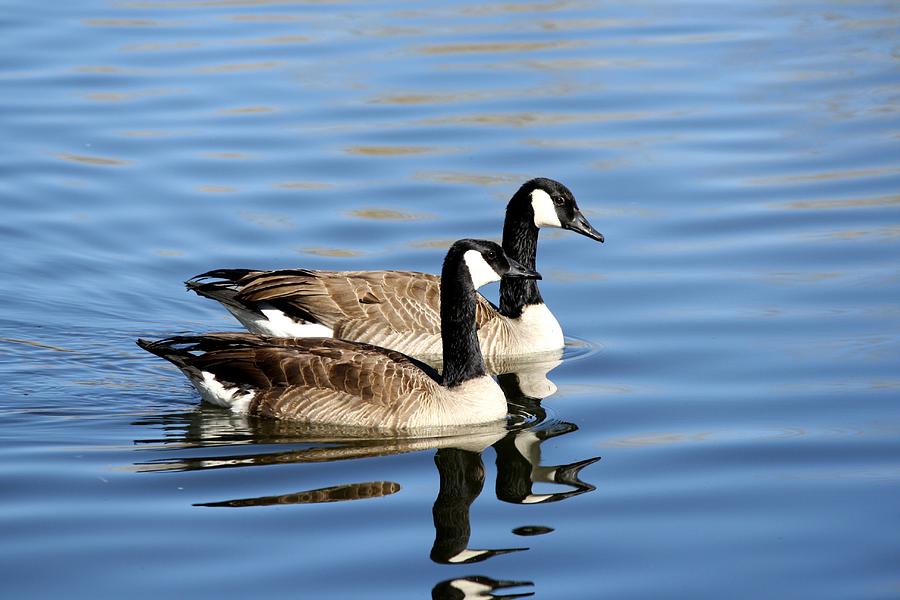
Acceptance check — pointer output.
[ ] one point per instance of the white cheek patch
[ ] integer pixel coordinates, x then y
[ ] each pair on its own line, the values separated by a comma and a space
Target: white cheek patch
479, 270
544, 211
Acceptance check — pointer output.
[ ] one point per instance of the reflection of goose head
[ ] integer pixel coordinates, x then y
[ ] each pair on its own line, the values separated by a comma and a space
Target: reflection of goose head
519, 468
475, 587
461, 480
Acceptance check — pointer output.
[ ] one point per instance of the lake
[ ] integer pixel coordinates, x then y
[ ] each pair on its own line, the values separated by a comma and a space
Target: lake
724, 421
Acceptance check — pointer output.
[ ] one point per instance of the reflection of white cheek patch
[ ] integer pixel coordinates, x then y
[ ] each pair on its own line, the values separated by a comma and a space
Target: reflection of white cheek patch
480, 271
544, 211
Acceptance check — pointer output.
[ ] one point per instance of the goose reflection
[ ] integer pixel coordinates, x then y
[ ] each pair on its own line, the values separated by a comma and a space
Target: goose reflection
209, 438
476, 587
461, 481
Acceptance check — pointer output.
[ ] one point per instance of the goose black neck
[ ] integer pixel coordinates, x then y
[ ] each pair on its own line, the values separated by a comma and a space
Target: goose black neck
462, 352
520, 237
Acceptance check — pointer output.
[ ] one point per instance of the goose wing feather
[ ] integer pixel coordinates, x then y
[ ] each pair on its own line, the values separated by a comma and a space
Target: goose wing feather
358, 305
318, 379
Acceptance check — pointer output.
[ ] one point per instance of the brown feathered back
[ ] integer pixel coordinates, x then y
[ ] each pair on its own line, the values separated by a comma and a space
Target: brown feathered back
316, 379
367, 306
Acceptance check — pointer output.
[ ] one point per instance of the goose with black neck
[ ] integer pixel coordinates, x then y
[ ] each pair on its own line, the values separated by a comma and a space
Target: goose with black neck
339, 382
401, 309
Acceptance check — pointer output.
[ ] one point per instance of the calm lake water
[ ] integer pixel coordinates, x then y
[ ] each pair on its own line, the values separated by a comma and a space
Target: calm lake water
734, 347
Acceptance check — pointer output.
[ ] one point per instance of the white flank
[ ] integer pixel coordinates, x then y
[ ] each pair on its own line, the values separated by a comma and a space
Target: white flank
274, 323
480, 271
544, 211
215, 393
282, 325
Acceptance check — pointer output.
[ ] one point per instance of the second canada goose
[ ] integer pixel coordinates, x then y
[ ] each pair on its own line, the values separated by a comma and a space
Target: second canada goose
401, 309
326, 380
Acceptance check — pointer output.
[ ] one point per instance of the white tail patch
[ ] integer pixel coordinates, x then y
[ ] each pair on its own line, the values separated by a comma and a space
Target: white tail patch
544, 211
214, 392
282, 325
274, 323
479, 270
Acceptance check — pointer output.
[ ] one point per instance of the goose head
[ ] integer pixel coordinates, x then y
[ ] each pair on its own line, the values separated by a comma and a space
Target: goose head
486, 261
553, 205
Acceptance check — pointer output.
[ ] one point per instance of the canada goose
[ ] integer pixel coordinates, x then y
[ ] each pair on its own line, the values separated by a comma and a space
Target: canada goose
335, 381
401, 309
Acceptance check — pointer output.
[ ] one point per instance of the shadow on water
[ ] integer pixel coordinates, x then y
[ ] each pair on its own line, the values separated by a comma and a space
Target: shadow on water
458, 458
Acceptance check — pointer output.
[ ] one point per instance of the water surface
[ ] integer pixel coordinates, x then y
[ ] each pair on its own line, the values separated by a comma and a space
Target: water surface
733, 350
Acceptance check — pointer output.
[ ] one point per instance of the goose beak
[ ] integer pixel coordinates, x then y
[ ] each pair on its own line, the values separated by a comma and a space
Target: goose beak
580, 225
517, 269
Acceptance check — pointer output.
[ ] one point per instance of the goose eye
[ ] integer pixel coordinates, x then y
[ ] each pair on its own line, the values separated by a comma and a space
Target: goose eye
490, 254
558, 200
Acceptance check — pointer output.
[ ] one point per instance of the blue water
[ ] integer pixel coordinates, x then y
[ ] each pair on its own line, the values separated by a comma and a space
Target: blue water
734, 346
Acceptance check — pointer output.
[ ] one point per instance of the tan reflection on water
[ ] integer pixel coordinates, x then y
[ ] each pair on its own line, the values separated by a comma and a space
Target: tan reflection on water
159, 46
268, 220
559, 64
496, 47
263, 18
275, 40
177, 4
562, 276
92, 160
129, 96
388, 214
825, 176
636, 142
467, 178
145, 134
530, 119
884, 233
842, 203
505, 8
302, 185
216, 189
415, 98
802, 278
128, 23
247, 110
439, 243
228, 155
330, 252
388, 150
656, 439
35, 344
103, 70
240, 67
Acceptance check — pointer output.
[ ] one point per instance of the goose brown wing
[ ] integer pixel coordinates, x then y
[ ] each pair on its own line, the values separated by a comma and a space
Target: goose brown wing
319, 379
360, 305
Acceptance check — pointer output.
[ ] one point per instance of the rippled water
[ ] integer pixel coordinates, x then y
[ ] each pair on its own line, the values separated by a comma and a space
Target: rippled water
734, 346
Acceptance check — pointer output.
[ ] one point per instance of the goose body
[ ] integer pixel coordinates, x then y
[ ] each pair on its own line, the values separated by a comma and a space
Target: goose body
340, 382
401, 309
